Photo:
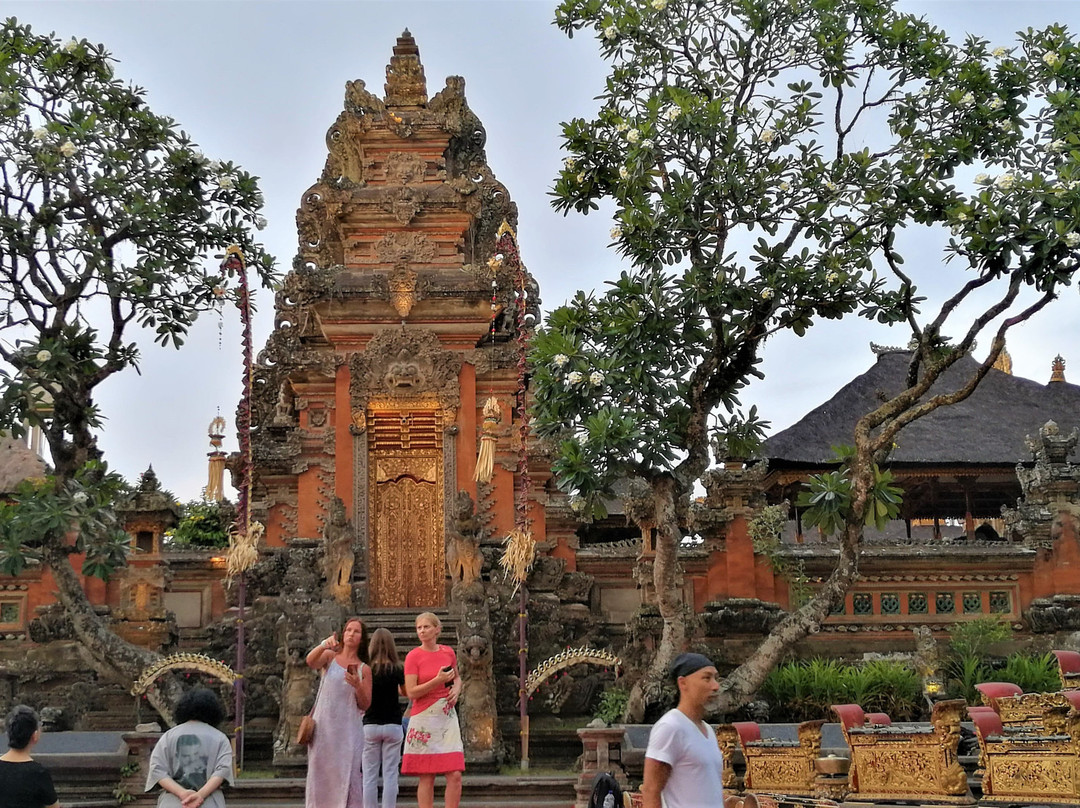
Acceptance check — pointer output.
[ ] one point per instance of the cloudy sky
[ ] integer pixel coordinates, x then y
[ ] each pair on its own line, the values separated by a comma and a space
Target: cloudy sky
259, 83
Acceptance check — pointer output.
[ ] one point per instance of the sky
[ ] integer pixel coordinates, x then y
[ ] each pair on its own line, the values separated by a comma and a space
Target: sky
259, 83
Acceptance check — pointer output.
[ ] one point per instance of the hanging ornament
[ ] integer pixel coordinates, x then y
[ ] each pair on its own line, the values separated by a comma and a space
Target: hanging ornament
215, 484
519, 554
485, 460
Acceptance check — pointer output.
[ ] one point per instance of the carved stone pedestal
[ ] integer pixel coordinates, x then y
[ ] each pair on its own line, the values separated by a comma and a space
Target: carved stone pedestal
602, 753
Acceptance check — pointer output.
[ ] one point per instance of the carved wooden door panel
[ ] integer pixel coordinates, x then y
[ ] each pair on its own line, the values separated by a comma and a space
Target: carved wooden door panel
407, 554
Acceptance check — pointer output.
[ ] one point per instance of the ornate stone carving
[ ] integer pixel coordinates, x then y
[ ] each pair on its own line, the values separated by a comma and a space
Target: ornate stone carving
463, 557
405, 81
402, 283
405, 168
405, 364
339, 557
414, 248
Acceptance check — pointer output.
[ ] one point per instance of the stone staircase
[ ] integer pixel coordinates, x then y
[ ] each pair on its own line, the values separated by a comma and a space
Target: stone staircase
490, 791
402, 625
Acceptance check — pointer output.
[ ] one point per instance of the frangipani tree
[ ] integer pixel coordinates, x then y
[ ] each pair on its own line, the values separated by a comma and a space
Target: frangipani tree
108, 214
764, 159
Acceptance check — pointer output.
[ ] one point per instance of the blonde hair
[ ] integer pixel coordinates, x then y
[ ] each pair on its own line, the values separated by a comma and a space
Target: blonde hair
430, 617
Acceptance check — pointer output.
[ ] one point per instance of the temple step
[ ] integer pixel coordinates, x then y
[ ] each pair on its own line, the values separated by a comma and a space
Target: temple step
490, 791
401, 624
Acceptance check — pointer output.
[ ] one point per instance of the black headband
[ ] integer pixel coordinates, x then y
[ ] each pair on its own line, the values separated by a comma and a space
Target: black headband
685, 664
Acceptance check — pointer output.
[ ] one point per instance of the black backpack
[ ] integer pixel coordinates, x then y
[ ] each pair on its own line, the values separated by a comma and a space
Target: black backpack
604, 784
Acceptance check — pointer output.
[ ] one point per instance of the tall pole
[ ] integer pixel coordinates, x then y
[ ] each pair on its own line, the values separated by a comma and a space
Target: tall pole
522, 503
234, 263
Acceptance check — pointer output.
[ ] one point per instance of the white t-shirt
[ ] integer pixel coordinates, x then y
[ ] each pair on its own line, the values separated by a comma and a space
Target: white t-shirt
695, 761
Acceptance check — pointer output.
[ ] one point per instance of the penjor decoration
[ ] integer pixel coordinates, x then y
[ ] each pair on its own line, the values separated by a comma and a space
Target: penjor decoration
485, 460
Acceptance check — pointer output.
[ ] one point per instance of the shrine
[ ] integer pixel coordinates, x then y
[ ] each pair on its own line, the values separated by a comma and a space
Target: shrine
396, 375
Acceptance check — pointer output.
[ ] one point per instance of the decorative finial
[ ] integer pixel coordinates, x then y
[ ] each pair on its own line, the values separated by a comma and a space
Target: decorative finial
1003, 362
1057, 373
406, 85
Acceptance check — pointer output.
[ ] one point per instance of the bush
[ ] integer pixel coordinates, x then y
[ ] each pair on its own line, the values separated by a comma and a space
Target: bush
612, 705
806, 690
203, 524
1033, 673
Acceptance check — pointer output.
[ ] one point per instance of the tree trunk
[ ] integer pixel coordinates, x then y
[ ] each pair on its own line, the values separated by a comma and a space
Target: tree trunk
667, 580
114, 657
741, 684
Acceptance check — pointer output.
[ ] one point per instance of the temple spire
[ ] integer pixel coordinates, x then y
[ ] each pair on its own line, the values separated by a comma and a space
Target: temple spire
1057, 369
406, 85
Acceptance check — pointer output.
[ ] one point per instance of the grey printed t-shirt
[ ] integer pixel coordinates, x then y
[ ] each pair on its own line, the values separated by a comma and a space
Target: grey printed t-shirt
191, 754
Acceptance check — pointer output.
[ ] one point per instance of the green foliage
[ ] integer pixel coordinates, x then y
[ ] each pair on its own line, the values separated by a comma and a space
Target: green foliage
203, 524
48, 510
765, 530
806, 689
612, 705
975, 637
100, 199
828, 500
725, 139
1033, 673
966, 661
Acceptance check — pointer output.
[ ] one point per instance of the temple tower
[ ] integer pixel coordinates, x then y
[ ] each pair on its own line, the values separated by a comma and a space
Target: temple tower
390, 332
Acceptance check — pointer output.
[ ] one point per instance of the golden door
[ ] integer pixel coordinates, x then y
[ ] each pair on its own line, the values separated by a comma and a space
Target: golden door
407, 555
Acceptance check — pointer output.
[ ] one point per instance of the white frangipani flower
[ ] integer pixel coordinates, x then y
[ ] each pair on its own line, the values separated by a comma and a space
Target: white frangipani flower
575, 377
659, 5
68, 149
673, 113
40, 134
1052, 59
999, 52
580, 177
633, 136
1057, 146
624, 172
214, 166
648, 144
616, 233
569, 163
830, 185
785, 186
996, 103
610, 32
71, 45
596, 378
982, 179
768, 135
560, 360
621, 127
139, 282
226, 183
1005, 181
43, 355
1072, 239
80, 497
768, 294
832, 277
967, 100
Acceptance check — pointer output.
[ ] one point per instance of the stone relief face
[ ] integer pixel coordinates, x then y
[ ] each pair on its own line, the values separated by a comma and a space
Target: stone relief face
404, 373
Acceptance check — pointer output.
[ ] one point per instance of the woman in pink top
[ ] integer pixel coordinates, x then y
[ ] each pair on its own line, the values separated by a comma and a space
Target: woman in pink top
433, 743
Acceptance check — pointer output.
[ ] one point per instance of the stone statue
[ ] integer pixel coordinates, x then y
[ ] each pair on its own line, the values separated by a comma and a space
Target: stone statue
477, 708
338, 557
463, 556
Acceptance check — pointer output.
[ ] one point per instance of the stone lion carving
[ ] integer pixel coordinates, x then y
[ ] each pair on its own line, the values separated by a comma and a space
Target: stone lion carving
463, 556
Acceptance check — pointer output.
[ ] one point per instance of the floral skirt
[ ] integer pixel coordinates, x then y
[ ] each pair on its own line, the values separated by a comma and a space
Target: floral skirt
433, 742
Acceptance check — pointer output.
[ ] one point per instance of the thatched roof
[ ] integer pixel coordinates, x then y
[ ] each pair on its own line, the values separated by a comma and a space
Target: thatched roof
988, 428
17, 463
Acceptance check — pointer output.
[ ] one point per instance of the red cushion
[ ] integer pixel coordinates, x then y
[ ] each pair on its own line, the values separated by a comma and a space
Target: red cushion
1068, 661
986, 722
748, 731
880, 719
850, 715
998, 690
